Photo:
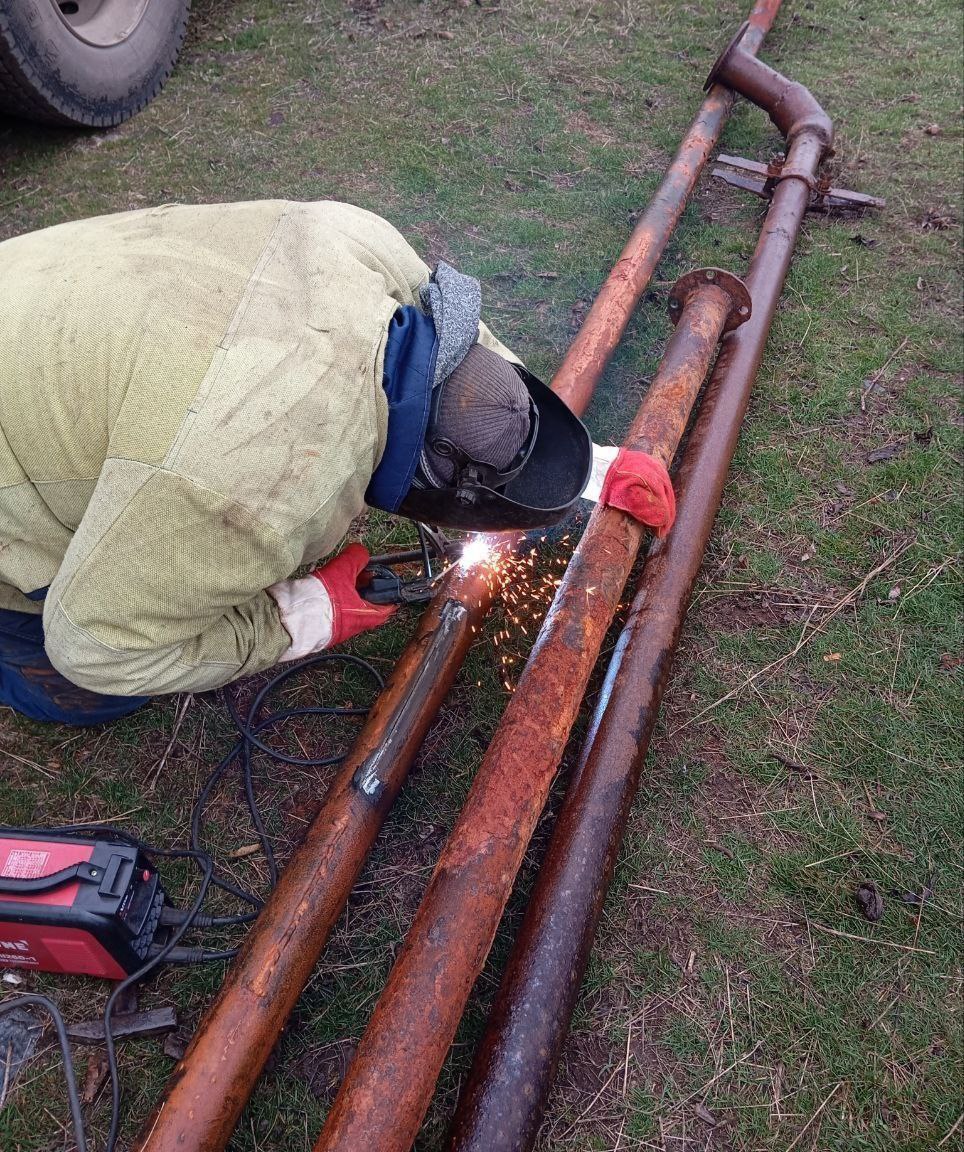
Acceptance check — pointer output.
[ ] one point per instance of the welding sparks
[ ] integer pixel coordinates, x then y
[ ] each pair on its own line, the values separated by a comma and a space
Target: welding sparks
478, 550
525, 578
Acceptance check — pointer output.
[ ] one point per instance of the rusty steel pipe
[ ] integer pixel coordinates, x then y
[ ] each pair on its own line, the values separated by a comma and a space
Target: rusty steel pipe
211, 1085
389, 1084
791, 106
614, 305
503, 1101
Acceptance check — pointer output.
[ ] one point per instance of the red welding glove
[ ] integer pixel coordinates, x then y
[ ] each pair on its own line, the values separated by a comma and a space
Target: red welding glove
324, 608
350, 613
639, 484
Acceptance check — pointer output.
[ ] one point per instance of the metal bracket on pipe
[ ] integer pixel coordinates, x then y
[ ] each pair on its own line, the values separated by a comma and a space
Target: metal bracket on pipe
741, 303
761, 179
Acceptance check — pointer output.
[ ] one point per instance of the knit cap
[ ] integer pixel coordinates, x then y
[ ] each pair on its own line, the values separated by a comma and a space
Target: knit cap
483, 410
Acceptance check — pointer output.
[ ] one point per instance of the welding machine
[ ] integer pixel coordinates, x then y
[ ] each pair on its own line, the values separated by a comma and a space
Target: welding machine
85, 906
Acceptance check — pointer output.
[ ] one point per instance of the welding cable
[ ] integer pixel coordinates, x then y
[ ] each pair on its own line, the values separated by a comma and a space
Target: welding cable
426, 556
23, 1001
155, 960
250, 726
206, 866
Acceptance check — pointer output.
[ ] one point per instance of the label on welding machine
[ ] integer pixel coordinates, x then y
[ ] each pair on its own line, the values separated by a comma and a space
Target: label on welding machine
25, 864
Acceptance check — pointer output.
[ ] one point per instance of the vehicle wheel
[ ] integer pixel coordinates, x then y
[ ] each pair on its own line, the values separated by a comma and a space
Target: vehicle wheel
86, 62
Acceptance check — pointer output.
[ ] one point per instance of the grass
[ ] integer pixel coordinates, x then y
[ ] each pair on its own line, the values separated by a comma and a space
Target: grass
735, 988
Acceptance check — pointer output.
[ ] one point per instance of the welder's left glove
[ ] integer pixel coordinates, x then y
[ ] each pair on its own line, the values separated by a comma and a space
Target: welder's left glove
634, 482
324, 608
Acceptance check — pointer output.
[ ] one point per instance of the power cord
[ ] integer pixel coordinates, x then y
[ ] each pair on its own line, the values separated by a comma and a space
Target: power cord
250, 728
53, 1012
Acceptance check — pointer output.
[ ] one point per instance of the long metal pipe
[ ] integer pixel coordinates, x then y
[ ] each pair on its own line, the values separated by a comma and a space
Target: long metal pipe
211, 1085
617, 299
504, 1099
389, 1085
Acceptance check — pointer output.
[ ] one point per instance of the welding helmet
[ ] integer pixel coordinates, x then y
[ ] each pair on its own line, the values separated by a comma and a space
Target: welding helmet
537, 488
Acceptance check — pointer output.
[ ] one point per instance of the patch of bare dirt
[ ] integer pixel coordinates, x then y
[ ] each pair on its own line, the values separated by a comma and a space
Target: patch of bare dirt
323, 1068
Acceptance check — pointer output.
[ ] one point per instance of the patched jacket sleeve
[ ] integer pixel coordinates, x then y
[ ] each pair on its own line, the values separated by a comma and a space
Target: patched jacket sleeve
166, 594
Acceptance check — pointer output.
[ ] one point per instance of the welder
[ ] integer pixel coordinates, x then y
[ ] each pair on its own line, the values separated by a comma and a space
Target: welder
195, 404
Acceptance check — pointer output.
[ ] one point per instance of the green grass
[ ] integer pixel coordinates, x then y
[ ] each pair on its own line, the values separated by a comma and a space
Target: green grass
521, 144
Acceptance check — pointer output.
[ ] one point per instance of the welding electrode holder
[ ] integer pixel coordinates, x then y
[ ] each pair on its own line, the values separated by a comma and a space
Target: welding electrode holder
379, 584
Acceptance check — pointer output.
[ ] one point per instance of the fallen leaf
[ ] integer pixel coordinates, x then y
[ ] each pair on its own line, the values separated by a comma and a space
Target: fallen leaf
948, 662
933, 130
175, 1045
894, 593
831, 657
873, 814
703, 1113
914, 898
870, 900
247, 850
886, 453
96, 1076
935, 221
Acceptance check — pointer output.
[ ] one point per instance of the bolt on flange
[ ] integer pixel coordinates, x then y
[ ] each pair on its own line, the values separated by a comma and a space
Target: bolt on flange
741, 303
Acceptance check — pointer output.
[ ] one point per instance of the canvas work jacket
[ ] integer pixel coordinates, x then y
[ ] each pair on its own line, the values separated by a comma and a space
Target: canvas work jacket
191, 407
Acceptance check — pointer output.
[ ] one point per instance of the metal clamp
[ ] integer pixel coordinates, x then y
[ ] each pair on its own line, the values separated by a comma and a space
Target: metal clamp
761, 179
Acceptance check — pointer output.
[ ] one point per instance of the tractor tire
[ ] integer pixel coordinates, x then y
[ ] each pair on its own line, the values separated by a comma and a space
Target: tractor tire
86, 63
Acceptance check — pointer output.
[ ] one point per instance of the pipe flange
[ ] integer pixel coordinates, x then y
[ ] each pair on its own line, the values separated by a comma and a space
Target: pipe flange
723, 59
741, 303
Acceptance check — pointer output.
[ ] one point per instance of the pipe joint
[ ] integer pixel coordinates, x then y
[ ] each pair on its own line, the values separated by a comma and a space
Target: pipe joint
792, 107
687, 289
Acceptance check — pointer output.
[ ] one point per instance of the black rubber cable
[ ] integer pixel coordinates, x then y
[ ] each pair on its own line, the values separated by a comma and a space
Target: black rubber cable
8, 1004
249, 726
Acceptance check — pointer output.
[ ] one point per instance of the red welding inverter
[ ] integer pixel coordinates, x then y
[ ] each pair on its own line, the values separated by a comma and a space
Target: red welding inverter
87, 906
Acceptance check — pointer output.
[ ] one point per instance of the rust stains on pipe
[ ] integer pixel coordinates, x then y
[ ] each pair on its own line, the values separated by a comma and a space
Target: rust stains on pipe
504, 1099
611, 310
389, 1085
791, 106
205, 1096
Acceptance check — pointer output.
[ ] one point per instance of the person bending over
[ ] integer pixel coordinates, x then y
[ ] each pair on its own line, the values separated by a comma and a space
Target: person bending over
196, 401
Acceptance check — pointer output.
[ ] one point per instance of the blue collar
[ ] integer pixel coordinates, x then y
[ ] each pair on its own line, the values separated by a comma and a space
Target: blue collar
410, 355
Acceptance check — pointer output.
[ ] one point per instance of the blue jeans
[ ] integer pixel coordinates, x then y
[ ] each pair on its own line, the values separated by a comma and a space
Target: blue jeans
30, 683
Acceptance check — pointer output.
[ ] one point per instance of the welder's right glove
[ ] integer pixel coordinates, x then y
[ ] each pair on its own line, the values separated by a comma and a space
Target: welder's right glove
324, 608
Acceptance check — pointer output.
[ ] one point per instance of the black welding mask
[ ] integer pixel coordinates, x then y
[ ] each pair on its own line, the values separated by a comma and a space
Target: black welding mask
537, 488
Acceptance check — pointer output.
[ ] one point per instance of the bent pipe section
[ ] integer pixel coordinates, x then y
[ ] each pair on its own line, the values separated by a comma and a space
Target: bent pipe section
209, 1088
792, 107
504, 1099
389, 1084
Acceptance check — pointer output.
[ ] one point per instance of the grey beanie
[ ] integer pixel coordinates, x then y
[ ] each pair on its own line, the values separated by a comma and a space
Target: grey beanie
484, 411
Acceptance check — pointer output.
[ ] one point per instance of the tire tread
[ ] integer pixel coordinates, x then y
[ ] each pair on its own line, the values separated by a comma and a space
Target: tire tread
24, 96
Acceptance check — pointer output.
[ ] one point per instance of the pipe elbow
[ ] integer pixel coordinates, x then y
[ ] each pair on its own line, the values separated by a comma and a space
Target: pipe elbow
796, 111
790, 105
